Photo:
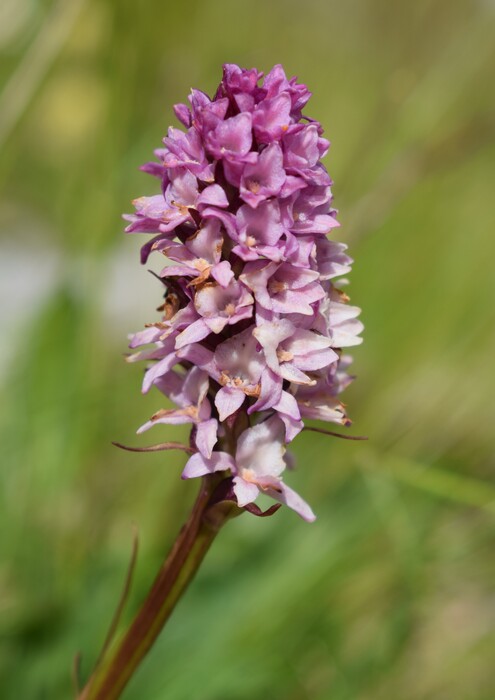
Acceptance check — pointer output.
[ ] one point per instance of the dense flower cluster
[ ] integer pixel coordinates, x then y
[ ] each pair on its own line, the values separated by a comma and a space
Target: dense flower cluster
252, 330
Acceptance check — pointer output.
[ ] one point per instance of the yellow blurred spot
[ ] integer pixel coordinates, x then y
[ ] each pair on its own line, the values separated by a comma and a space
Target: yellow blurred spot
68, 115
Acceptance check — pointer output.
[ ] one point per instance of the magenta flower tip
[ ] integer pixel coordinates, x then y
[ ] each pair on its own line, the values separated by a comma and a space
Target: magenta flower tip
253, 325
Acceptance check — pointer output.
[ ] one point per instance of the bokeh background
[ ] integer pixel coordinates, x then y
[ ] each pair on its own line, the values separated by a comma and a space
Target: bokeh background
390, 593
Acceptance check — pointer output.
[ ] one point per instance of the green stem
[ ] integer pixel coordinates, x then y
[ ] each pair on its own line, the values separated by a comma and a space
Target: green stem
111, 676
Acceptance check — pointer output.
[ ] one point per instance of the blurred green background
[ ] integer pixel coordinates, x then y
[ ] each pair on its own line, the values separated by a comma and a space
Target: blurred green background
390, 593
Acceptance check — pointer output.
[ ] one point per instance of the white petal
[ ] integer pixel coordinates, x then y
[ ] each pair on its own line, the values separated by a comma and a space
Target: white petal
261, 449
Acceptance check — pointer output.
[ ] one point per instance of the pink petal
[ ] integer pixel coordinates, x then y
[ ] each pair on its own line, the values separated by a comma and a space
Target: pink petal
183, 114
265, 177
263, 224
316, 360
271, 118
216, 324
231, 137
301, 148
288, 405
284, 494
198, 465
290, 372
298, 300
149, 335
222, 273
171, 417
227, 401
195, 386
213, 195
158, 369
206, 436
304, 342
288, 410
192, 334
271, 389
260, 449
245, 491
200, 356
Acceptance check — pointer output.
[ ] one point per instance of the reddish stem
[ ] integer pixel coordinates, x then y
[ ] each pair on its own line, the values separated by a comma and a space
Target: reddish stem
111, 676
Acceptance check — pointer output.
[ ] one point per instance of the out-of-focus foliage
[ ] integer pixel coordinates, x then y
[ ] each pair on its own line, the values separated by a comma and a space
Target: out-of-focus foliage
390, 593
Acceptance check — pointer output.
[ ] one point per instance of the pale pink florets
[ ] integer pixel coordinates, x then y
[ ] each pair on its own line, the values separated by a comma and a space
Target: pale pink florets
252, 329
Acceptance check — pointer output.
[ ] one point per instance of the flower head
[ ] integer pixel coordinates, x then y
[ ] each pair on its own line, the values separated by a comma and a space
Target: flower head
253, 325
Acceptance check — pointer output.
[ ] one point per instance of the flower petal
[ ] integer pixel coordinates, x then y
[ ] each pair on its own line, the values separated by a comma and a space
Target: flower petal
284, 494
206, 436
227, 401
192, 334
245, 491
198, 465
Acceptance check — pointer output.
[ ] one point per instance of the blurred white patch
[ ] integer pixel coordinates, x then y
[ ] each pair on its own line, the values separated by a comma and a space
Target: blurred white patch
131, 294
29, 273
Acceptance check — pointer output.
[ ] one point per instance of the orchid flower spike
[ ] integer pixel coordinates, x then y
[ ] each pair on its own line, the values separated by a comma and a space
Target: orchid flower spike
253, 329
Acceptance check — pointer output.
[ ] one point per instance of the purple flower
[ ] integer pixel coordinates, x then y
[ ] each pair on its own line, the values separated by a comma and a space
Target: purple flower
189, 392
217, 307
257, 467
283, 288
232, 139
271, 118
199, 257
291, 351
320, 400
250, 340
258, 232
265, 177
